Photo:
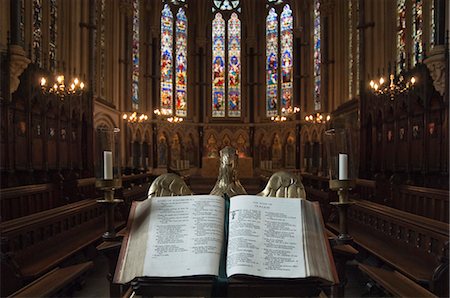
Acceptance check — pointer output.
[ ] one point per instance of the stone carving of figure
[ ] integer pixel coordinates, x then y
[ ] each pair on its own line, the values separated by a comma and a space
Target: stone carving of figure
175, 151
276, 151
241, 147
290, 152
212, 147
263, 151
162, 151
227, 182
190, 151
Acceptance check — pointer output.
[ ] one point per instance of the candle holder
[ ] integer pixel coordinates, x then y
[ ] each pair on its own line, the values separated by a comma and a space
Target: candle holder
107, 174
341, 173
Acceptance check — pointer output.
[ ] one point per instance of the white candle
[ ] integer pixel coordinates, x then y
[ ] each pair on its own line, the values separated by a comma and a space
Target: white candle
343, 166
107, 165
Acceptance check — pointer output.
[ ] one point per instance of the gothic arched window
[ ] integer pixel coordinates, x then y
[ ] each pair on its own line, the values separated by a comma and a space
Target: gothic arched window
226, 59
135, 57
171, 64
279, 47
53, 34
417, 30
317, 56
401, 35
37, 32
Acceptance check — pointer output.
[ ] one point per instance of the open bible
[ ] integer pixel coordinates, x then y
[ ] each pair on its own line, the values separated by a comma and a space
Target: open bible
185, 236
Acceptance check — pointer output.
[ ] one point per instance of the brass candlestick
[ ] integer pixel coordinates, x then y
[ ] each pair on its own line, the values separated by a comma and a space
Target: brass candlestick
108, 187
342, 187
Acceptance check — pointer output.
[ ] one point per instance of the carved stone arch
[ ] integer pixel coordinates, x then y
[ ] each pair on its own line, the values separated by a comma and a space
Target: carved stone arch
321, 132
101, 118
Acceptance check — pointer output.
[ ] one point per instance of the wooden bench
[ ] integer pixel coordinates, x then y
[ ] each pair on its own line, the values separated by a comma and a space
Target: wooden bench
37, 243
24, 200
428, 202
55, 281
394, 282
413, 245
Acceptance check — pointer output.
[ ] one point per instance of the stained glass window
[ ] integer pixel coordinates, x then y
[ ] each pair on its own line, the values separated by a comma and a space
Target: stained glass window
135, 56
272, 63
317, 56
102, 45
432, 24
37, 31
174, 60
401, 35
53, 34
181, 63
417, 31
218, 54
357, 50
287, 45
226, 5
166, 60
350, 49
234, 66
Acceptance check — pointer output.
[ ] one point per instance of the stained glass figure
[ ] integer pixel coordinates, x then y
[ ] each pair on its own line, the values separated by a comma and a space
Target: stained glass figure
37, 31
166, 61
218, 55
102, 45
417, 31
53, 34
234, 66
181, 64
287, 45
317, 56
272, 63
401, 35
350, 49
432, 24
135, 56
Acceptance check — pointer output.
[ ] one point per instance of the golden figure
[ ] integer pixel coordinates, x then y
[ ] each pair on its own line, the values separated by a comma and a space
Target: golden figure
284, 185
168, 185
227, 182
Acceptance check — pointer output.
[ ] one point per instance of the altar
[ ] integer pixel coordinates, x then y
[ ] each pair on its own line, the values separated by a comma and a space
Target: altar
210, 167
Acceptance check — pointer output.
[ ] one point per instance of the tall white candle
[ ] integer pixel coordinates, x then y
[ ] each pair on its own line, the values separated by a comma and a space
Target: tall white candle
343, 166
107, 165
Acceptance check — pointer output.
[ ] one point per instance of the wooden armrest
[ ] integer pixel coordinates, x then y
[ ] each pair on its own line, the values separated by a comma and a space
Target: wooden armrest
395, 283
52, 282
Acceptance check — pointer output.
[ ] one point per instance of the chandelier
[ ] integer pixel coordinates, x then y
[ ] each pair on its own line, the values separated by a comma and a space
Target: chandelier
285, 113
393, 88
59, 87
171, 119
317, 118
134, 117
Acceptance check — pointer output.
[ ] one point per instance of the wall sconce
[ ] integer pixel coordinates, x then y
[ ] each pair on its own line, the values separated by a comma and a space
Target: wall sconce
60, 89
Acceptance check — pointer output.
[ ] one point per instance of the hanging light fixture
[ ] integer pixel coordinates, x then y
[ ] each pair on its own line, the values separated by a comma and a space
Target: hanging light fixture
285, 114
171, 119
60, 89
318, 118
135, 117
393, 87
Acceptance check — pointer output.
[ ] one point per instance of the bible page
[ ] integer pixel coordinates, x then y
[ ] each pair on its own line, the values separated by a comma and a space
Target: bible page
265, 237
185, 236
